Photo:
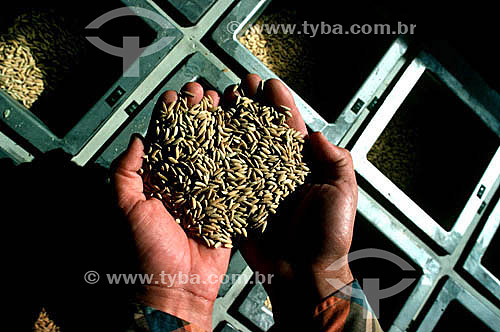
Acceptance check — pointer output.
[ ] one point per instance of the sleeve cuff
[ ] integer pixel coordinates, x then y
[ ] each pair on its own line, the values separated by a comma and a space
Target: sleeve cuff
346, 310
148, 319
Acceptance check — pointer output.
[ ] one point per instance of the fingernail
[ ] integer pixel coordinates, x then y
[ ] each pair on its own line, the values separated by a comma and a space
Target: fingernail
134, 137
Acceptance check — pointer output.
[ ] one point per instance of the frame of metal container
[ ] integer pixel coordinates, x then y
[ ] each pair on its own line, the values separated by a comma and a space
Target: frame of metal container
434, 267
473, 263
447, 240
30, 127
192, 11
10, 149
453, 291
416, 250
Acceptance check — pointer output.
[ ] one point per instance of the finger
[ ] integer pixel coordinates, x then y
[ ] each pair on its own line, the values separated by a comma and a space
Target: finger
333, 162
211, 94
251, 85
278, 95
230, 94
165, 99
128, 183
220, 256
193, 91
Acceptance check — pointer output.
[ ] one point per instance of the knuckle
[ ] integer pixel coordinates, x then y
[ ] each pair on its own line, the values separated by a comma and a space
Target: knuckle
346, 154
164, 95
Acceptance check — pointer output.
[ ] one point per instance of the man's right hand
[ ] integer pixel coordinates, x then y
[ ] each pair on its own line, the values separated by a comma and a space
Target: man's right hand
313, 227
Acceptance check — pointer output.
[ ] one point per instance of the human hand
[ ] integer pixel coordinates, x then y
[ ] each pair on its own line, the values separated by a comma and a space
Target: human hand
162, 245
313, 228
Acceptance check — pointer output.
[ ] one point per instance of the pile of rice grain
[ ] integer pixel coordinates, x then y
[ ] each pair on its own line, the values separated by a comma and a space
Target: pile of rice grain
37, 52
45, 324
221, 172
20, 77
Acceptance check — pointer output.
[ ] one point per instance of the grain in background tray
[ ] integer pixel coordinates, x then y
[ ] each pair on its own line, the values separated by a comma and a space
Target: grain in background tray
57, 74
289, 56
325, 69
435, 149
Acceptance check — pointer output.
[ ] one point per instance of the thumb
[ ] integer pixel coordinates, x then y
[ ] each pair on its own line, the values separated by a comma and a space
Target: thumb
127, 182
331, 162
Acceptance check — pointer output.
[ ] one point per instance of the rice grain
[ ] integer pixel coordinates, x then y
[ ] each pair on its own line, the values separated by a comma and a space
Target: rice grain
220, 191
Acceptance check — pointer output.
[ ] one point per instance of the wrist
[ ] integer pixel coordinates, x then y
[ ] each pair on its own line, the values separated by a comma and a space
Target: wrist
180, 303
327, 281
309, 286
